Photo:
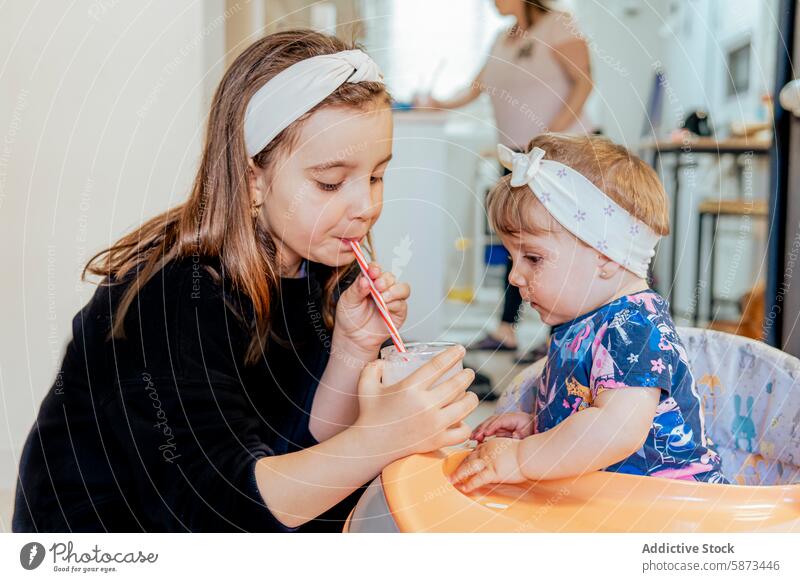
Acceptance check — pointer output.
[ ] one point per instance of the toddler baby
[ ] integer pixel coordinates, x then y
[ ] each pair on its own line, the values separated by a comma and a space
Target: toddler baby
581, 217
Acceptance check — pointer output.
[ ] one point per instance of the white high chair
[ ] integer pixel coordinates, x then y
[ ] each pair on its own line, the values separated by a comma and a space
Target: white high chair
750, 394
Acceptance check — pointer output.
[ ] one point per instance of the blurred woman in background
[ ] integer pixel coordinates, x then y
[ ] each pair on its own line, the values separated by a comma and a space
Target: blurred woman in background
538, 78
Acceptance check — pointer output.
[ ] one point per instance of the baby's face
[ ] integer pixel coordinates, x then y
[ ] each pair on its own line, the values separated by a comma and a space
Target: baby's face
330, 187
557, 274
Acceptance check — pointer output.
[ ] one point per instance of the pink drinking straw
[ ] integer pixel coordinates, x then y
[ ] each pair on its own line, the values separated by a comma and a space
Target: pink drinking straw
376, 297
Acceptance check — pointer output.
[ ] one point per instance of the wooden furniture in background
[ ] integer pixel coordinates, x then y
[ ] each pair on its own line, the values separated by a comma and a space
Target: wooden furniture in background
713, 210
685, 152
751, 323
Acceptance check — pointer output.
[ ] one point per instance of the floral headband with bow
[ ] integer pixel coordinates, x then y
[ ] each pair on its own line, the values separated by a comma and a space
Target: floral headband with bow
583, 209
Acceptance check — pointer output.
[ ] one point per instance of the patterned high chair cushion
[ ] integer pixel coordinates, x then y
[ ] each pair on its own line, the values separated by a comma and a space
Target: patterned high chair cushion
750, 393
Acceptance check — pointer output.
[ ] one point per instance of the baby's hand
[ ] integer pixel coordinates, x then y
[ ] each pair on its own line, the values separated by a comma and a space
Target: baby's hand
494, 461
517, 425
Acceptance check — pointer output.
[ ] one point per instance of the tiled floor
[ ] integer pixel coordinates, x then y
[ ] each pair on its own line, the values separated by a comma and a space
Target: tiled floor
469, 323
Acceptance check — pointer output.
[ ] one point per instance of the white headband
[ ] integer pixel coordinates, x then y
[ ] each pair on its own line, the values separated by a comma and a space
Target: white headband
583, 209
297, 89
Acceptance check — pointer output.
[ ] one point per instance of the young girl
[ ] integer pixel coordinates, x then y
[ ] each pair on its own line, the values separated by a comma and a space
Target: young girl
206, 387
582, 217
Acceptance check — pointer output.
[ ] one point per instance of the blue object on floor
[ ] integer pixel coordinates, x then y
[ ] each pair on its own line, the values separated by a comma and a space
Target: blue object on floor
495, 255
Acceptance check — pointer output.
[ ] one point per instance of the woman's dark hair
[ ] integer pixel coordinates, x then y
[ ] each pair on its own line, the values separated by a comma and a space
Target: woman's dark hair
531, 8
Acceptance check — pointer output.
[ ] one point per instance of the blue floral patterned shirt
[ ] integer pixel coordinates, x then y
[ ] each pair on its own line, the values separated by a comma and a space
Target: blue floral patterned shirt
630, 342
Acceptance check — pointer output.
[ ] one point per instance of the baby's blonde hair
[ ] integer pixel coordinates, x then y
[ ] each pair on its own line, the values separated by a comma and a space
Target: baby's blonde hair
624, 178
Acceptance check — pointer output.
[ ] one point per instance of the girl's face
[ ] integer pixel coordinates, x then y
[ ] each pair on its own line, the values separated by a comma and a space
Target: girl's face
556, 273
329, 188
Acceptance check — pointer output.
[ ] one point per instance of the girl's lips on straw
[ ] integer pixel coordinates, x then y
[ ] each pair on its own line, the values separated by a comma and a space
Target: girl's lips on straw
348, 241
377, 298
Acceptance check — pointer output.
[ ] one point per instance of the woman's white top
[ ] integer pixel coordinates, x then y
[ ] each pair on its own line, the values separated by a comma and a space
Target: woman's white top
527, 85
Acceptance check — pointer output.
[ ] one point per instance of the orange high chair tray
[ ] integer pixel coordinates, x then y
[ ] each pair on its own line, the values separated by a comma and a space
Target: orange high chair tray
420, 498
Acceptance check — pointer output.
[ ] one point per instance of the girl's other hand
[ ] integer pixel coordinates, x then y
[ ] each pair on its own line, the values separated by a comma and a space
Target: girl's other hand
360, 329
416, 415
494, 461
517, 425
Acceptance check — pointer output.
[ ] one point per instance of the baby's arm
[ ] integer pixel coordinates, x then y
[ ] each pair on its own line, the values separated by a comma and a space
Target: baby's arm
610, 430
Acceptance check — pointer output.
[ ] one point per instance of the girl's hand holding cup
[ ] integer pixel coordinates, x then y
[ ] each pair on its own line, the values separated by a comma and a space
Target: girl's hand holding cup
418, 414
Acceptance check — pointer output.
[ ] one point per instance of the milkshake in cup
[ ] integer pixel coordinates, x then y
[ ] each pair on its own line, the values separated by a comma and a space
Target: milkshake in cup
400, 364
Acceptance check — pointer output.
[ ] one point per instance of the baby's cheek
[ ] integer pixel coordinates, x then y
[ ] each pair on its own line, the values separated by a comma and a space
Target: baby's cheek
547, 293
559, 304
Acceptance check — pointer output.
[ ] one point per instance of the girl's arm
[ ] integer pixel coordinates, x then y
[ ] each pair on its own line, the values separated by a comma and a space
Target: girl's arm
613, 428
393, 422
357, 336
335, 404
299, 486
573, 57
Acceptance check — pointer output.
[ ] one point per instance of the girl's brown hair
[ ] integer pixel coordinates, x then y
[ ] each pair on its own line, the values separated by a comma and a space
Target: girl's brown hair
622, 176
217, 219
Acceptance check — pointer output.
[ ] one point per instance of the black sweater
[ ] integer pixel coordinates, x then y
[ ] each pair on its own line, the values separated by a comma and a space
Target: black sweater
161, 431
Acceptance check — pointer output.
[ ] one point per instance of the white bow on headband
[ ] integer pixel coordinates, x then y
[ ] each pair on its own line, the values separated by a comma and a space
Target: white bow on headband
583, 209
297, 89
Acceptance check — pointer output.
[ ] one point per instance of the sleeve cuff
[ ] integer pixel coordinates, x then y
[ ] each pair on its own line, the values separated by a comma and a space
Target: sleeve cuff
304, 439
262, 521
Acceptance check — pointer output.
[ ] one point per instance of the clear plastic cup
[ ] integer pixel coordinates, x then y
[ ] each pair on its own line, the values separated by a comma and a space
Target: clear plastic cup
401, 364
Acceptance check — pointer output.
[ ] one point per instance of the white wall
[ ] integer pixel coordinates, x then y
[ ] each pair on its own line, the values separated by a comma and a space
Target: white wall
688, 40
624, 45
102, 106
429, 45
695, 39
